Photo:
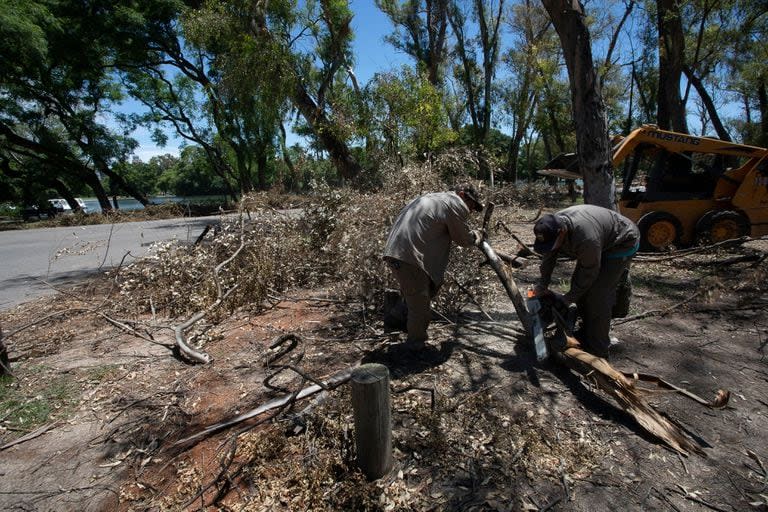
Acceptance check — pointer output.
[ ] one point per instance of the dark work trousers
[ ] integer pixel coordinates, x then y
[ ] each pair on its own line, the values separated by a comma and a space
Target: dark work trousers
417, 290
596, 305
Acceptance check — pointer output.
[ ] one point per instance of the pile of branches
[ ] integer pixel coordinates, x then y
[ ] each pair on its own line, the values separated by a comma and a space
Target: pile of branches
336, 242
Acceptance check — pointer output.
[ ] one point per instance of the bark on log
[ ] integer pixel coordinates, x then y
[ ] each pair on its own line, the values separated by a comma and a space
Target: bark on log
373, 419
513, 292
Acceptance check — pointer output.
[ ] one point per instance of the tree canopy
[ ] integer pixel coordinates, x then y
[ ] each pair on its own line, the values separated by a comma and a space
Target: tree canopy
233, 78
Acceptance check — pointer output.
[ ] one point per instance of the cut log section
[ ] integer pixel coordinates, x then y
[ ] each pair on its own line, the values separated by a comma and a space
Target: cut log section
623, 390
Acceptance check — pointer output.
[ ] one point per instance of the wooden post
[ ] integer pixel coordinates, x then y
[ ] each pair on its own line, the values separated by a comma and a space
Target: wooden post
5, 364
373, 419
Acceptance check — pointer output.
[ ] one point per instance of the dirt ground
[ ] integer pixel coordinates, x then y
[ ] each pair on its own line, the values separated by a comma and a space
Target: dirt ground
478, 424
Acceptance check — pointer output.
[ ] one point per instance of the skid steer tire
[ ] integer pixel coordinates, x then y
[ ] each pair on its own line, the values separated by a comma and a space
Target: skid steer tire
719, 225
659, 231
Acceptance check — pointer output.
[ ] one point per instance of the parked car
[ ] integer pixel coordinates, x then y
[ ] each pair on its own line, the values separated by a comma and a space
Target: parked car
36, 211
83, 206
61, 205
56, 206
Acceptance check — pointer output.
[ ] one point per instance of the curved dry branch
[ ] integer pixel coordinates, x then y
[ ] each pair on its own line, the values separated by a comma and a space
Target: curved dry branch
179, 330
330, 383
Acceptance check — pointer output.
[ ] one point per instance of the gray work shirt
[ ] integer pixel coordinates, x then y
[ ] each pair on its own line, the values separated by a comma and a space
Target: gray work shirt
423, 232
593, 233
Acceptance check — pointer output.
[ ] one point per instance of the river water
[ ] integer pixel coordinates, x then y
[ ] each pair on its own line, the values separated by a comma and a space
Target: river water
129, 203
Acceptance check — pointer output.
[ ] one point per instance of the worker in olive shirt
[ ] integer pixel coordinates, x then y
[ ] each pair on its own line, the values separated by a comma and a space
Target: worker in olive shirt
418, 247
603, 243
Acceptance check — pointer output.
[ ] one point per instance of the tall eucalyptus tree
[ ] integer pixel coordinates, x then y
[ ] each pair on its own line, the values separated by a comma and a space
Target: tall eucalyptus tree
476, 77
420, 31
592, 142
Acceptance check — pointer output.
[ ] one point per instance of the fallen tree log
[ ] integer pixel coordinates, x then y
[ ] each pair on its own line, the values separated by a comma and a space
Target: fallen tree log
513, 292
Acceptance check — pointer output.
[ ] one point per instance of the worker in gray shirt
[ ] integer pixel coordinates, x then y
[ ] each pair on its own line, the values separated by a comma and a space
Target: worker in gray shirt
417, 252
603, 243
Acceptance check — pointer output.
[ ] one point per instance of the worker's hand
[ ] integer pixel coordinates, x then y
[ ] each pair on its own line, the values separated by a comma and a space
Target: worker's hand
554, 298
479, 235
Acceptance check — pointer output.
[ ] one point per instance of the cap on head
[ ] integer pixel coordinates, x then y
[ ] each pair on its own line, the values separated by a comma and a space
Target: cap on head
546, 229
470, 192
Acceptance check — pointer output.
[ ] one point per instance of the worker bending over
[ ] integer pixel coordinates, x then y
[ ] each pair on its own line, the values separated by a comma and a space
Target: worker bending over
603, 243
417, 252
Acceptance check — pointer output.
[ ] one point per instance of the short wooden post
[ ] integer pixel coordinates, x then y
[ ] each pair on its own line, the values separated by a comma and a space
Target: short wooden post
373, 419
5, 363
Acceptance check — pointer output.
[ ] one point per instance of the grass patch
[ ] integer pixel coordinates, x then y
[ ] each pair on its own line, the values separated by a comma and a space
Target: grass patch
30, 402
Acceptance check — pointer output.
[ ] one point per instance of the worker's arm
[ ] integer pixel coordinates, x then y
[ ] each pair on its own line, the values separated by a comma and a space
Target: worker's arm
546, 268
458, 229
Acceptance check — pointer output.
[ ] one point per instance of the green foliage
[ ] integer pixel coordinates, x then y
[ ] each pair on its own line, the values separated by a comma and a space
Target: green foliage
191, 175
407, 113
224, 75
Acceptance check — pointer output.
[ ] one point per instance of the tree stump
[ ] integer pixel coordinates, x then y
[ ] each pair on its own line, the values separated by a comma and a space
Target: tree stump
373, 419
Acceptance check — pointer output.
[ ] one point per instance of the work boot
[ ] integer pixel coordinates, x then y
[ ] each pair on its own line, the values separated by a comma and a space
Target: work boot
415, 349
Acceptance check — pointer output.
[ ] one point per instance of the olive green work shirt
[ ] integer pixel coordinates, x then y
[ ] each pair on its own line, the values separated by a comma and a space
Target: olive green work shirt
594, 233
424, 230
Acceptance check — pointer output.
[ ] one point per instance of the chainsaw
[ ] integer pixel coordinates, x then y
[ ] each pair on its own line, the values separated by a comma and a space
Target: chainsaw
533, 303
543, 311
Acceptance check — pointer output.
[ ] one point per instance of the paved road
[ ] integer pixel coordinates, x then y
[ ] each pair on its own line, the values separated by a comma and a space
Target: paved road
62, 256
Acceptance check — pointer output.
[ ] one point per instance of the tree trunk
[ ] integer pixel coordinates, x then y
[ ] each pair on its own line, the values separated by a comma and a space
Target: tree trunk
671, 111
324, 131
93, 181
67, 194
489, 38
763, 104
513, 156
436, 26
287, 156
120, 182
261, 170
708, 104
592, 140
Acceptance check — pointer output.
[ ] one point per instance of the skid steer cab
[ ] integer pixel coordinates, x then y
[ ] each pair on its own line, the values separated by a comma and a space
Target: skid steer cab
681, 189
